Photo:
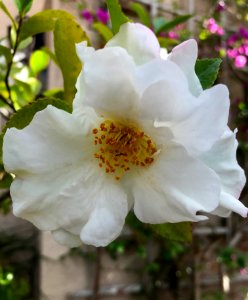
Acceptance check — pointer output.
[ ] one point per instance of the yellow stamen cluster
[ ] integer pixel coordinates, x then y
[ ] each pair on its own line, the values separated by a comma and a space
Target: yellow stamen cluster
121, 147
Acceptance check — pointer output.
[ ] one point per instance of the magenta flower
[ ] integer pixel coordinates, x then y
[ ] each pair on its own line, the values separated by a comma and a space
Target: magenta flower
102, 15
221, 6
213, 27
173, 35
87, 15
243, 32
232, 39
220, 31
240, 61
232, 53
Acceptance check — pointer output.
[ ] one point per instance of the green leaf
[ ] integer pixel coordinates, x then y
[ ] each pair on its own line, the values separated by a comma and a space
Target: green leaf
143, 15
168, 25
6, 53
181, 232
23, 6
117, 16
103, 30
51, 55
207, 71
5, 180
38, 61
56, 92
42, 22
25, 43
25, 115
167, 42
66, 34
5, 9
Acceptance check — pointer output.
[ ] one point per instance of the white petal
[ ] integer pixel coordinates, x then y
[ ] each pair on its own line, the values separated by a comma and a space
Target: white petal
207, 122
139, 41
54, 139
108, 82
83, 51
222, 159
66, 238
167, 101
185, 55
70, 199
158, 70
229, 204
107, 219
175, 188
57, 199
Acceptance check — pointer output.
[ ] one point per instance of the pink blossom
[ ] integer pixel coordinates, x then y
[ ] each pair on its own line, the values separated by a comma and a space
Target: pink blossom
232, 39
86, 14
173, 35
102, 15
240, 61
243, 32
245, 47
221, 6
220, 31
232, 53
243, 272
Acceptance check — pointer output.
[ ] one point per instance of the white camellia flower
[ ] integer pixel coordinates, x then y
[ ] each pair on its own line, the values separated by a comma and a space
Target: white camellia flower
143, 135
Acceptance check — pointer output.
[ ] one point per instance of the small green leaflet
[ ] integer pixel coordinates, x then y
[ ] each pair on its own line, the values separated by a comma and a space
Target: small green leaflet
141, 12
161, 24
180, 232
103, 30
23, 6
207, 71
66, 34
117, 16
25, 115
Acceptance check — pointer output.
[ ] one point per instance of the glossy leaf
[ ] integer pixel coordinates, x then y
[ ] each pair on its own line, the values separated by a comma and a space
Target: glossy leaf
143, 15
23, 6
51, 54
116, 15
66, 34
6, 53
38, 61
5, 180
181, 232
168, 25
42, 22
25, 115
6, 11
207, 71
103, 30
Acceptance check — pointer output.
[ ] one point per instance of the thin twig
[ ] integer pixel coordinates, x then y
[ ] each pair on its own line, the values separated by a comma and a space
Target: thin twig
2, 98
9, 66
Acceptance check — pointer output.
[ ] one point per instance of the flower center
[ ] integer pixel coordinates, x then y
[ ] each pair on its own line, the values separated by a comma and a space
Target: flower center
121, 147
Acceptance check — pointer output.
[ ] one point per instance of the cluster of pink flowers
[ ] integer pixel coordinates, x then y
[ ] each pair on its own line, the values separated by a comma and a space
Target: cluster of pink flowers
213, 27
101, 15
237, 48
